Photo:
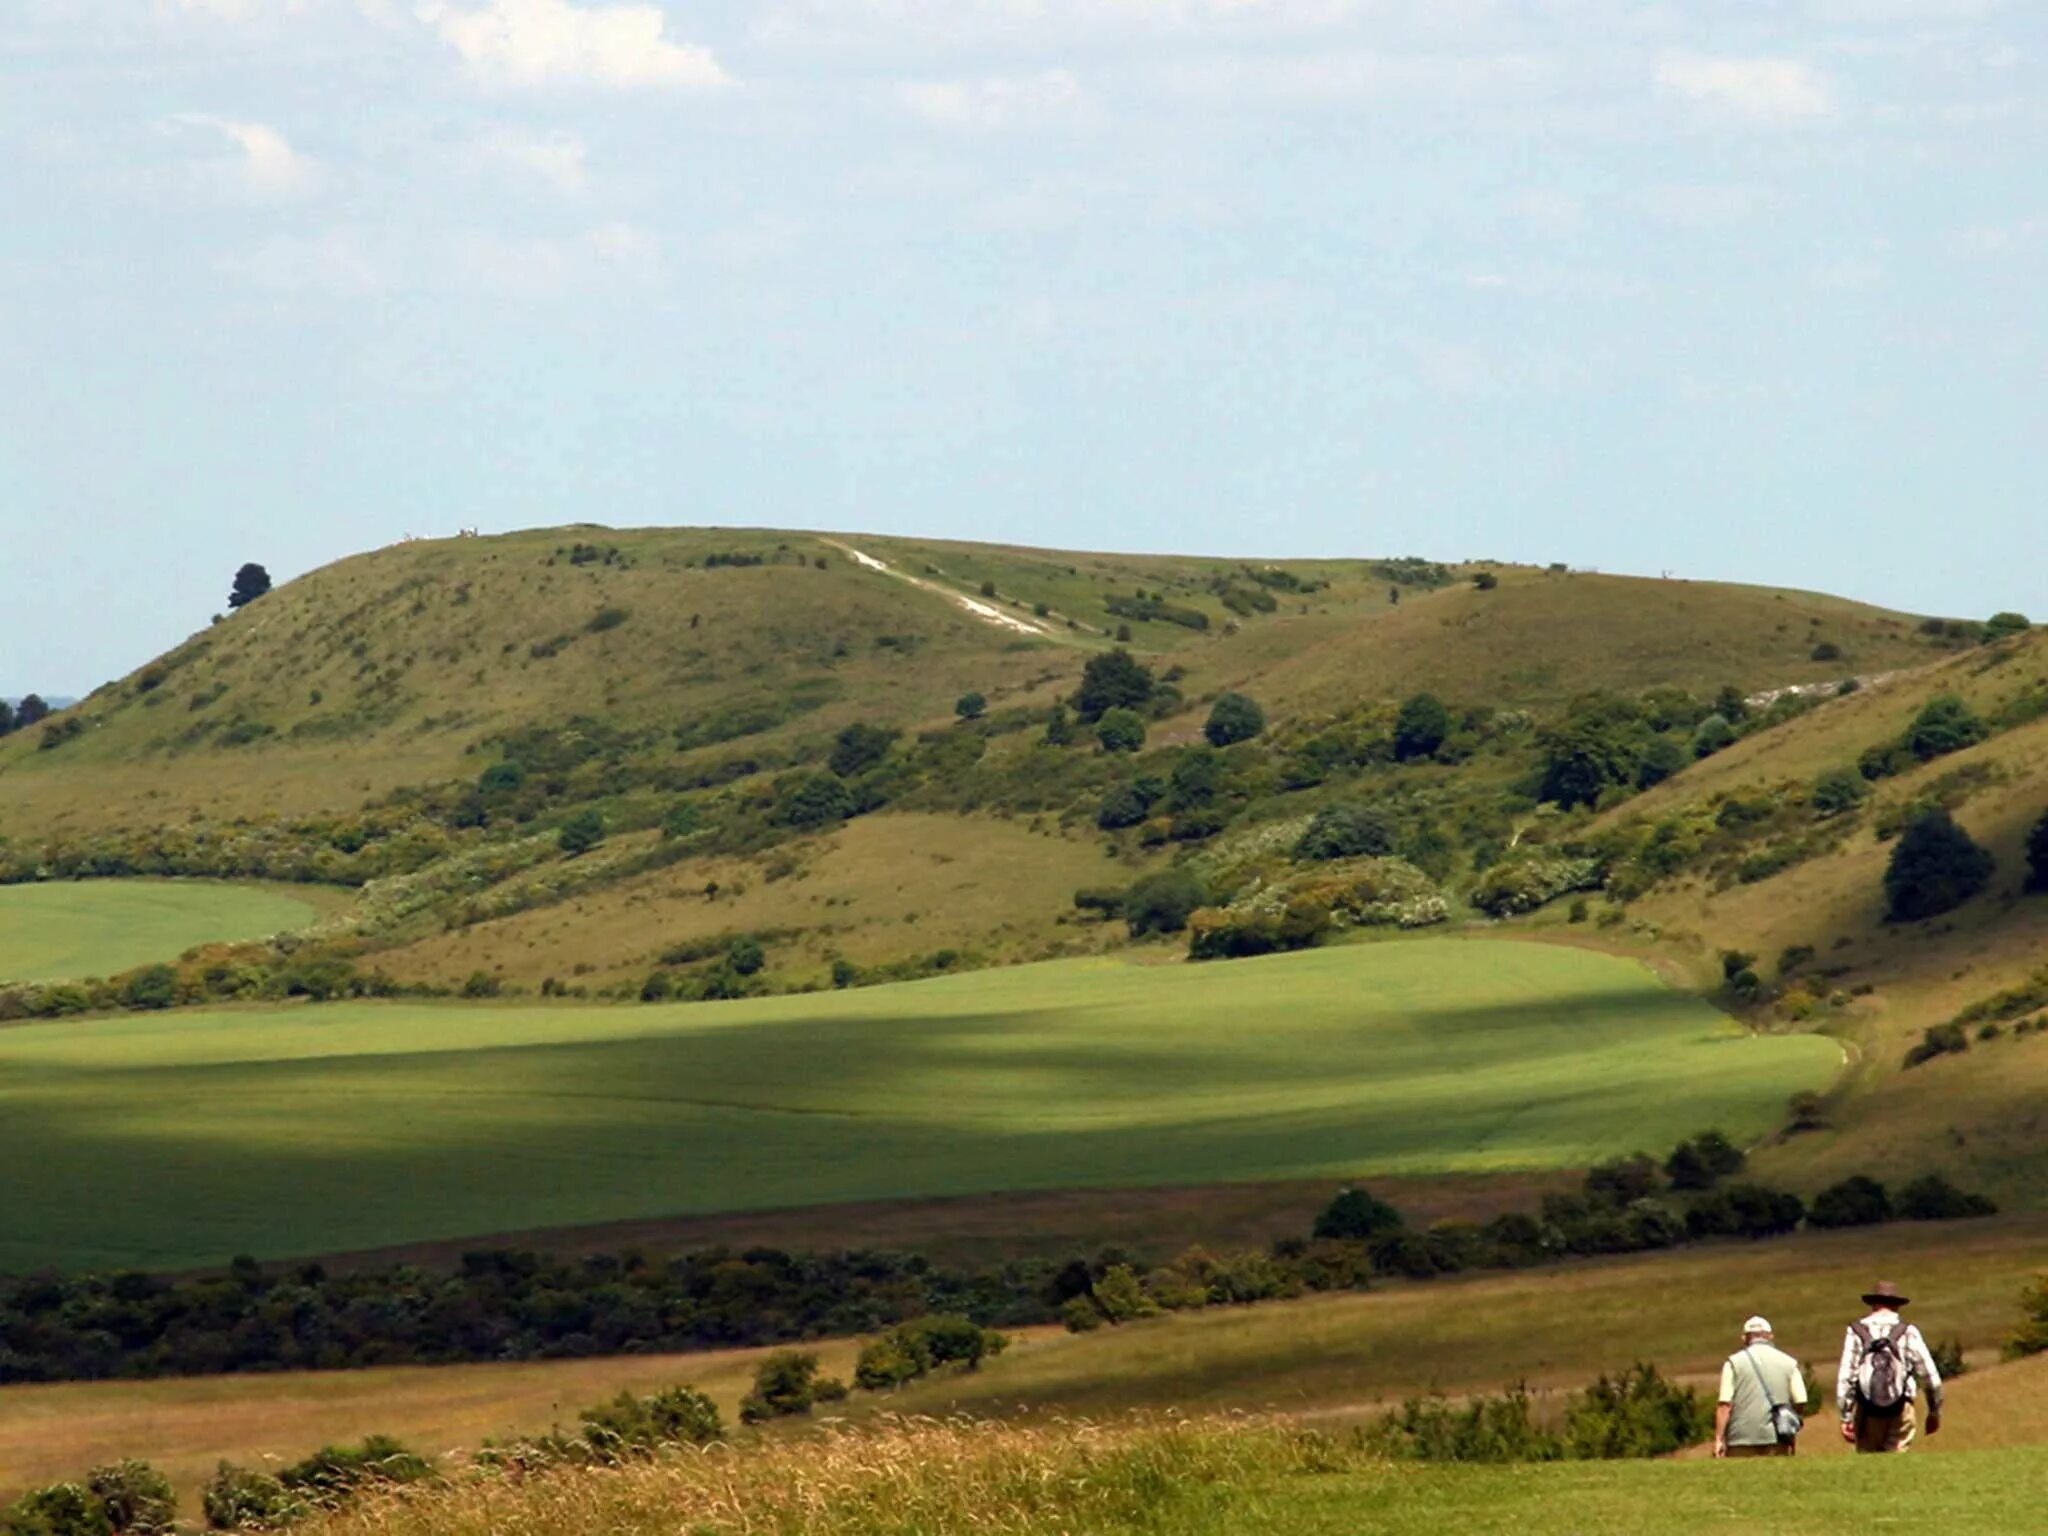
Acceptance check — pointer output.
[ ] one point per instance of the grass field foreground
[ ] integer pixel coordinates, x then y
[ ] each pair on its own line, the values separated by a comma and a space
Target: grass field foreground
62, 931
1195, 1478
300, 1130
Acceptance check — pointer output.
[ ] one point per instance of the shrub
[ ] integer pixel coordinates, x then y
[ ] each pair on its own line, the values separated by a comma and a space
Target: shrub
1233, 718
581, 832
1526, 881
814, 800
1347, 831
1662, 758
1935, 868
1636, 1414
1163, 902
1745, 1210
2031, 1336
1112, 680
630, 1426
1827, 650
1421, 727
1485, 581
1103, 901
1946, 725
1482, 1429
745, 957
2037, 855
2003, 626
1196, 778
62, 1509
786, 1385
1704, 1161
1128, 804
1933, 1198
681, 820
1806, 1111
1839, 791
152, 987
1857, 1201
1059, 727
501, 778
858, 748
334, 1472
970, 706
607, 618
1355, 1216
1120, 730
844, 973
238, 1498
1938, 1040
1711, 735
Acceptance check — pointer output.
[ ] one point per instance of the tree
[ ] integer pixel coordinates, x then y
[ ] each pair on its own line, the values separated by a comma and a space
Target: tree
744, 956
970, 706
1059, 727
1731, 704
858, 748
1347, 832
1197, 776
814, 800
1600, 743
1127, 804
1233, 718
251, 582
2003, 626
29, 711
1858, 1201
1354, 1216
1662, 758
787, 1384
1120, 730
1935, 868
1485, 581
1621, 1181
1946, 725
1712, 735
2037, 855
1163, 902
1421, 727
1839, 790
1112, 680
6, 716
581, 832
154, 986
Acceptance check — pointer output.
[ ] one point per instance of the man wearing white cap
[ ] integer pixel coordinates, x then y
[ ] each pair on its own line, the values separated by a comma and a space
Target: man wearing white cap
1762, 1397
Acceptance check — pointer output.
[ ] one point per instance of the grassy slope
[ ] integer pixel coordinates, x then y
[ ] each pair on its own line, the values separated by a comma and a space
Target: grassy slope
60, 932
1325, 1360
304, 1129
1339, 1356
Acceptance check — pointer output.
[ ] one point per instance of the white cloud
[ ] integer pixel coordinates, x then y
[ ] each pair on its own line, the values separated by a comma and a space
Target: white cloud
1001, 102
342, 262
1760, 90
540, 42
266, 166
558, 161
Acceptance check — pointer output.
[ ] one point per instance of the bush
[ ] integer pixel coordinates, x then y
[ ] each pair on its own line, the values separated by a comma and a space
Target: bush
745, 957
1345, 832
970, 706
138, 1500
1120, 730
607, 618
335, 1472
1827, 650
238, 1499
815, 800
1197, 777
1935, 868
1933, 1198
1946, 725
1163, 902
1858, 1201
1104, 901
2037, 855
1355, 1216
858, 748
1712, 735
62, 1509
1526, 881
1637, 1414
630, 1426
1485, 581
152, 987
1421, 727
1806, 1111
1662, 758
1621, 1180
1112, 680
2003, 626
1745, 1210
581, 832
1233, 718
787, 1385
1059, 727
1128, 804
1839, 791
1938, 1040
2031, 1336
1482, 1429
1704, 1161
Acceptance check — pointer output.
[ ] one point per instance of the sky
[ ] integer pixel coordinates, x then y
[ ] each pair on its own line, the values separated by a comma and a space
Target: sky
1741, 289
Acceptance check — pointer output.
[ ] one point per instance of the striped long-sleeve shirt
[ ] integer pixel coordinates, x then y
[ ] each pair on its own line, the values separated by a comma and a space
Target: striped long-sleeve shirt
1919, 1361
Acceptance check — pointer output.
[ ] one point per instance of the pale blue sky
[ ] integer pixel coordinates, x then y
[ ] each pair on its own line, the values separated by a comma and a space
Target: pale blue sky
1737, 288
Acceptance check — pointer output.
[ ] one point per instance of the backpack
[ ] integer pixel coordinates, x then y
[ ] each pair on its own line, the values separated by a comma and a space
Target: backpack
1881, 1378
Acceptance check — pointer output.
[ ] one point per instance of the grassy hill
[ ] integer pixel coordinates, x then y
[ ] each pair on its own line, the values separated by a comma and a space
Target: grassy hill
282, 1132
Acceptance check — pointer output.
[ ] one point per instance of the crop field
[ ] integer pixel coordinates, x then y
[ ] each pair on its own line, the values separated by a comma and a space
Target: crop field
181, 1140
62, 931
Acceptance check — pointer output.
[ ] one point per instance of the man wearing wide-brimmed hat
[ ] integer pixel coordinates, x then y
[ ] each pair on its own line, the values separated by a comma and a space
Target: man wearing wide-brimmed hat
1886, 1366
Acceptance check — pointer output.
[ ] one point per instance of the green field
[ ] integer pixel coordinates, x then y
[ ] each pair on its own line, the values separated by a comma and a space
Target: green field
183, 1139
65, 930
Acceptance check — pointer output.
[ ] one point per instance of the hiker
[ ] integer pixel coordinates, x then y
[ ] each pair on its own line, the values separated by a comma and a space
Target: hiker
1762, 1393
1885, 1367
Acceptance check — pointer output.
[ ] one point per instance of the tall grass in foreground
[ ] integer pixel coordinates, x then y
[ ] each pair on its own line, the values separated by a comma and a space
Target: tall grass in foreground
903, 1477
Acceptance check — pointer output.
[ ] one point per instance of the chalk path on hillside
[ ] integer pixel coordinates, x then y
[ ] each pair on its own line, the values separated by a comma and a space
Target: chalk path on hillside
983, 611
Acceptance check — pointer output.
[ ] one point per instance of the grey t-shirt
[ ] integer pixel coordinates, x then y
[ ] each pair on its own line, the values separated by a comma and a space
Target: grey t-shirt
1744, 1376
